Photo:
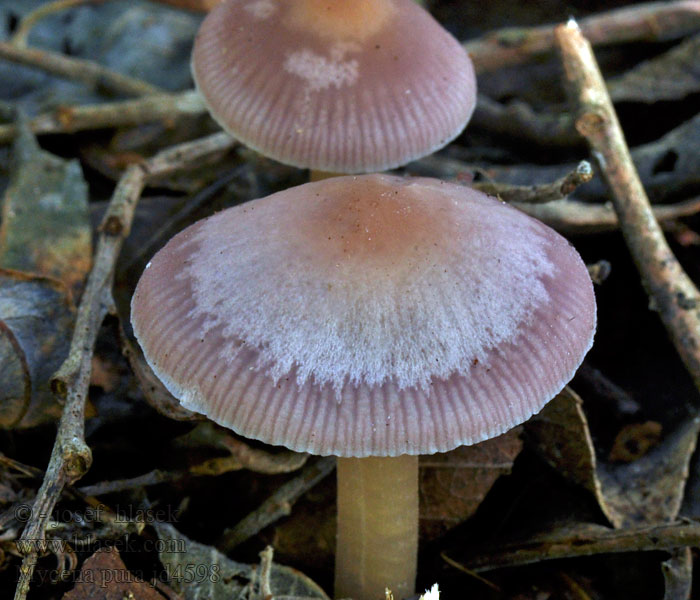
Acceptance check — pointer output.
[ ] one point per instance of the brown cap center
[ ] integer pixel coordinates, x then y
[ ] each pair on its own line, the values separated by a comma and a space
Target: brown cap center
348, 20
384, 222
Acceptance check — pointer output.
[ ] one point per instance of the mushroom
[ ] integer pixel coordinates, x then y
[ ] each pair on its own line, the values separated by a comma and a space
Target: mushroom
343, 86
368, 316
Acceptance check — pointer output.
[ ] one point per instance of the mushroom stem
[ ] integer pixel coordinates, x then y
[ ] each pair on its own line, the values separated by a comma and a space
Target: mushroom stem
377, 543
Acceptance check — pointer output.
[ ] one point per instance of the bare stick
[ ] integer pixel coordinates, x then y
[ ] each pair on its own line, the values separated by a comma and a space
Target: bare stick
570, 216
86, 71
582, 540
518, 120
242, 457
154, 477
19, 38
670, 290
540, 194
168, 226
69, 119
278, 505
653, 21
71, 457
678, 575
266, 556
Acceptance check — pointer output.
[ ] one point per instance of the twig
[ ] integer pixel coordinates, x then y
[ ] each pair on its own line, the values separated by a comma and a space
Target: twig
26, 470
240, 454
583, 540
255, 460
654, 21
671, 291
570, 216
518, 120
278, 505
573, 587
607, 391
168, 226
70, 119
540, 194
119, 485
669, 166
195, 5
88, 72
71, 457
471, 573
19, 38
265, 591
678, 575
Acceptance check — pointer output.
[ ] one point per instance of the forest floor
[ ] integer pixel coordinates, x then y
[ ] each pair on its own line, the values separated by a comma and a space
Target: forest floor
108, 487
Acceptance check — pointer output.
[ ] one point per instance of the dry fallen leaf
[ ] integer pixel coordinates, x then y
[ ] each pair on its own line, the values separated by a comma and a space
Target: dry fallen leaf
634, 441
154, 391
104, 374
105, 577
651, 489
648, 490
45, 220
201, 572
671, 76
36, 319
453, 484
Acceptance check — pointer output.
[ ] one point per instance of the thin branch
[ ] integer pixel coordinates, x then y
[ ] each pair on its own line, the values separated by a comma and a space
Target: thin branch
518, 120
154, 477
570, 216
70, 119
21, 34
540, 194
653, 21
678, 575
265, 591
87, 72
71, 457
278, 505
168, 226
672, 292
581, 540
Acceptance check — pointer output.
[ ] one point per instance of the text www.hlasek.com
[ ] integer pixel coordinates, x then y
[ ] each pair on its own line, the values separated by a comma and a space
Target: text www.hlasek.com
124, 544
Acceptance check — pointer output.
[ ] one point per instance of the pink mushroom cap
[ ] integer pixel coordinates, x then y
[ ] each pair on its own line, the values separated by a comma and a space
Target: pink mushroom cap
368, 315
344, 86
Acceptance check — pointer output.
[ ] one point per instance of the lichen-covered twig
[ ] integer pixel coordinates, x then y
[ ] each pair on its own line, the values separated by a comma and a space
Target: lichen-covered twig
672, 292
70, 119
71, 457
653, 21
87, 72
540, 194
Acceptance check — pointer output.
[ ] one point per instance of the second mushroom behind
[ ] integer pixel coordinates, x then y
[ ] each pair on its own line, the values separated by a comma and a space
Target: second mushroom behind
343, 86
369, 316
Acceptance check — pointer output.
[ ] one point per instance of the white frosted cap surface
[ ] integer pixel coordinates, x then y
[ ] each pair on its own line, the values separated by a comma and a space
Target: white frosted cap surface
344, 86
368, 315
